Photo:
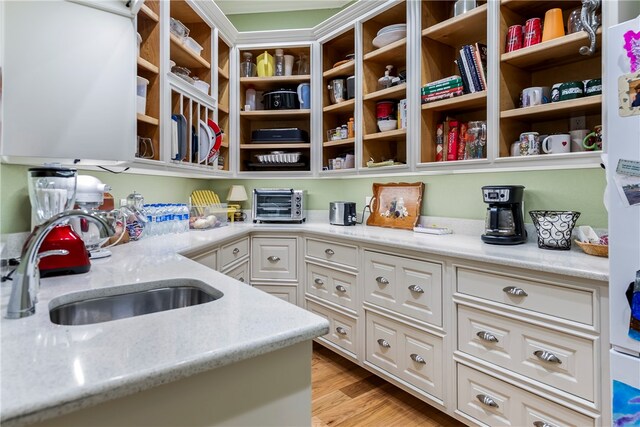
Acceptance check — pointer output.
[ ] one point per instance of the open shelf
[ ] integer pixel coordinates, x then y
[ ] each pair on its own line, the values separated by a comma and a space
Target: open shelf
148, 66
388, 52
574, 107
339, 142
184, 56
223, 108
550, 53
458, 30
275, 114
222, 73
147, 119
341, 107
266, 83
279, 146
191, 91
393, 92
145, 11
469, 101
346, 69
558, 156
386, 136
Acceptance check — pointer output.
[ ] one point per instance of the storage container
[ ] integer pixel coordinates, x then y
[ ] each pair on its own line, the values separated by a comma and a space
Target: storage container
141, 90
201, 85
192, 45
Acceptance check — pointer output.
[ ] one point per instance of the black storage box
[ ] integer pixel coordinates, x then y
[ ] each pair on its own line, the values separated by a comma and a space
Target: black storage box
266, 136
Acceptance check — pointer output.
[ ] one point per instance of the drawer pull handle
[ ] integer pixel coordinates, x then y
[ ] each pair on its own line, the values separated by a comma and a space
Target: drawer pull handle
512, 290
318, 282
236, 251
384, 343
417, 358
486, 400
416, 289
273, 258
241, 279
486, 336
329, 252
542, 424
341, 288
382, 280
340, 330
547, 356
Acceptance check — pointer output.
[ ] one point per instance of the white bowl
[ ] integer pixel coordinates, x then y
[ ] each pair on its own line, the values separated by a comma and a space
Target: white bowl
385, 125
388, 38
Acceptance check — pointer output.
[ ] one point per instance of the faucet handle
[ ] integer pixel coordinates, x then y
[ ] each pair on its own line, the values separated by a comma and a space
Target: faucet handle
52, 252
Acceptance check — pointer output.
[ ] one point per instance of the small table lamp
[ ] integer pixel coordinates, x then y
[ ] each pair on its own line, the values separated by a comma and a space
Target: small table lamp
237, 193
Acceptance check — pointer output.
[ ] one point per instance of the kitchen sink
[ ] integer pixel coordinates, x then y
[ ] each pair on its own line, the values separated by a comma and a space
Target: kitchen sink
131, 300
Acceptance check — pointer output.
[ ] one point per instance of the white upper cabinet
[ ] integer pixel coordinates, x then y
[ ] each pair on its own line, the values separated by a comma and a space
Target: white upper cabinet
69, 91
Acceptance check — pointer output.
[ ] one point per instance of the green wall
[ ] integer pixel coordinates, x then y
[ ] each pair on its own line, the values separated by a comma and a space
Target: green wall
459, 195
281, 20
15, 209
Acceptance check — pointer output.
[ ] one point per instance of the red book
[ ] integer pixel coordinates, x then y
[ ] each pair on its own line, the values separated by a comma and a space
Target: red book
452, 141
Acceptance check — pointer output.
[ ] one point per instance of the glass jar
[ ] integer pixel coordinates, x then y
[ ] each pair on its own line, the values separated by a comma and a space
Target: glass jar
303, 65
279, 62
247, 68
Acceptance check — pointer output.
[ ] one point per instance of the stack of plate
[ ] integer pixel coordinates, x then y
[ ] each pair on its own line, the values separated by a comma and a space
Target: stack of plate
390, 34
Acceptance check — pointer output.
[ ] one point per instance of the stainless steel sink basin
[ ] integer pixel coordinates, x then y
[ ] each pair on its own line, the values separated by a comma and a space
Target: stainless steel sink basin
132, 300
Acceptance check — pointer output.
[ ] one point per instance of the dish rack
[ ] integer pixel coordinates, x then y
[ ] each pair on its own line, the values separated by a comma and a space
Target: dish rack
278, 157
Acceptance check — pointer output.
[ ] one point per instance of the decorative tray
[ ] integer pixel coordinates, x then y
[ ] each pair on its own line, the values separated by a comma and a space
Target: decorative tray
396, 205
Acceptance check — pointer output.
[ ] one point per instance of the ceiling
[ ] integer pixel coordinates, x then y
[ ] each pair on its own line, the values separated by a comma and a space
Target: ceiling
237, 7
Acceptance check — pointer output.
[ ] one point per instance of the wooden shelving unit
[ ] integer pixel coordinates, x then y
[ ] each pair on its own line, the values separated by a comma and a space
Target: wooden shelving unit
184, 56
443, 36
544, 64
147, 119
148, 13
391, 145
337, 51
148, 66
272, 119
224, 86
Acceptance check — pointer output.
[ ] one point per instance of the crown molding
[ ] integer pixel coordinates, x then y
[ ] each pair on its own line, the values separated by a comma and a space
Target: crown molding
347, 16
275, 36
211, 13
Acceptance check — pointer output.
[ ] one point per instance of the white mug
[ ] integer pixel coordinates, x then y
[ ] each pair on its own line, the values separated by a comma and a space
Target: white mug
536, 95
288, 64
577, 136
560, 143
515, 149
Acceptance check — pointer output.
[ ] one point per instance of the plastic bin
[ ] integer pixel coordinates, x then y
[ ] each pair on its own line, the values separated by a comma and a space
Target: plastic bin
201, 85
192, 45
141, 90
207, 217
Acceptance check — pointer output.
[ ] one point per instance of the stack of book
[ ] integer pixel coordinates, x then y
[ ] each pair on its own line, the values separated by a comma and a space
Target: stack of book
442, 89
472, 63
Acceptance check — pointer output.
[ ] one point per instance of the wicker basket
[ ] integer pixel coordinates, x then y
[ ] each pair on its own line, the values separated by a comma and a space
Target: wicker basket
592, 249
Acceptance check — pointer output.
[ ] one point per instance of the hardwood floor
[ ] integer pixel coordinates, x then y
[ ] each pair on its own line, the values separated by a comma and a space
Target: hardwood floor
344, 394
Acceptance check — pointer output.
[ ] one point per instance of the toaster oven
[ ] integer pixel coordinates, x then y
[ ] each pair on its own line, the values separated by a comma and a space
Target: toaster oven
278, 205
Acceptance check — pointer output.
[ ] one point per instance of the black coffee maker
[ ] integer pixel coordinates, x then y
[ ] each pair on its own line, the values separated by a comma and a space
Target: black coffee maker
505, 219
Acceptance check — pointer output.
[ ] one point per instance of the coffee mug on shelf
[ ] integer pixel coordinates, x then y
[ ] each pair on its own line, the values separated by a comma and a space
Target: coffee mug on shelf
577, 136
555, 92
515, 149
553, 25
593, 140
592, 87
559, 143
571, 90
514, 38
463, 6
532, 32
529, 143
536, 95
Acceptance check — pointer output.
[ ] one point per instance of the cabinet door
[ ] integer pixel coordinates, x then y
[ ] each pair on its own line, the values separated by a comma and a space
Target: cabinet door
274, 258
69, 89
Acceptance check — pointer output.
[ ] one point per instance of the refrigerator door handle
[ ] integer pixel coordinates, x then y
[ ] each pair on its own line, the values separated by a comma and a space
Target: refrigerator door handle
633, 286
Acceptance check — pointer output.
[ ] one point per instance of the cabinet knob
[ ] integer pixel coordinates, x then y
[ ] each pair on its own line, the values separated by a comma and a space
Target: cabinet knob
384, 343
236, 251
417, 358
382, 280
273, 258
340, 330
241, 279
487, 336
341, 288
417, 289
542, 424
487, 401
547, 356
513, 290
329, 252
318, 282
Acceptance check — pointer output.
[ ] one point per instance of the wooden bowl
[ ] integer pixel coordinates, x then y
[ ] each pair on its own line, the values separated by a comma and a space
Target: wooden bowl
593, 249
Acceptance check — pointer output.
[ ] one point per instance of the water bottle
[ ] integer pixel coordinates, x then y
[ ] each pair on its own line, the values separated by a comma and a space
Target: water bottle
149, 226
185, 218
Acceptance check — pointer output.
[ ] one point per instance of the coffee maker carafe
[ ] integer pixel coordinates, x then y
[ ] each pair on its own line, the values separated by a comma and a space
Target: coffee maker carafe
504, 224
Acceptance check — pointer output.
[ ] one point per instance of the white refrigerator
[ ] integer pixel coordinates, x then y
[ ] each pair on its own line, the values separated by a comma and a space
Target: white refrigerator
622, 134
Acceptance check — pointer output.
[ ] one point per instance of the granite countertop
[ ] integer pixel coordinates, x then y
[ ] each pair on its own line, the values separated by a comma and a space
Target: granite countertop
49, 370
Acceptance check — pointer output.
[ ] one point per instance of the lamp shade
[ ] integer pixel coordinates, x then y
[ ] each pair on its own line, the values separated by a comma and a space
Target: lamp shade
237, 193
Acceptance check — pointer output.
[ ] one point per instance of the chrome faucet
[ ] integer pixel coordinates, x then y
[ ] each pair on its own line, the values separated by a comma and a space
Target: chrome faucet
26, 281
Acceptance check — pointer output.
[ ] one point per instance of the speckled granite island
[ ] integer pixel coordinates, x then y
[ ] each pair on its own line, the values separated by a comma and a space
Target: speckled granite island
238, 359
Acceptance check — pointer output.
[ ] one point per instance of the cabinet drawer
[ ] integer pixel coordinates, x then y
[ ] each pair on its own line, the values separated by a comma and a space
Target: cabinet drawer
343, 330
208, 259
496, 403
408, 286
555, 300
558, 359
274, 258
332, 285
285, 293
335, 253
233, 252
408, 353
240, 273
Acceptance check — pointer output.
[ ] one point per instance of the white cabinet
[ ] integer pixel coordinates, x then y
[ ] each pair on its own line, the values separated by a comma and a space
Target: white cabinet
274, 258
68, 91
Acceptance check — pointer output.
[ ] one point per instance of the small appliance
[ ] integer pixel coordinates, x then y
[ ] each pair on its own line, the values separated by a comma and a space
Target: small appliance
281, 99
342, 213
278, 205
52, 190
505, 219
89, 196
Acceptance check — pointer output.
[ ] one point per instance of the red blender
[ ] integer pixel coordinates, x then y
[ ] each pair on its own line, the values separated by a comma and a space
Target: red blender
52, 190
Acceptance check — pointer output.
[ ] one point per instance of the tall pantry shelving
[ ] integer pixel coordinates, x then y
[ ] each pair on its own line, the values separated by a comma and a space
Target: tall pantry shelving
544, 64
442, 38
334, 116
267, 119
224, 55
390, 145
